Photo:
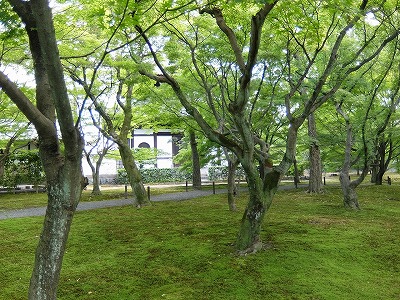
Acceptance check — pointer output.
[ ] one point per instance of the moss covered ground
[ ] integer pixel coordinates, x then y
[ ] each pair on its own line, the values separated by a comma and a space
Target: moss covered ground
315, 249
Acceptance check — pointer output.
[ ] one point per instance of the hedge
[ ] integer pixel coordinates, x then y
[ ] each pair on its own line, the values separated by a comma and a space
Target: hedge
221, 173
154, 175
23, 167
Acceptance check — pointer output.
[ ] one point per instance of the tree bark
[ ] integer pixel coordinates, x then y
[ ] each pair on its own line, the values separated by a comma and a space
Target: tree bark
195, 161
96, 178
96, 191
134, 176
95, 166
383, 160
374, 171
315, 180
110, 132
350, 199
296, 177
63, 171
63, 197
232, 166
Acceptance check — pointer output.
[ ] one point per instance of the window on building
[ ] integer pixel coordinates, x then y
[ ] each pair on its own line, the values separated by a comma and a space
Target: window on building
144, 145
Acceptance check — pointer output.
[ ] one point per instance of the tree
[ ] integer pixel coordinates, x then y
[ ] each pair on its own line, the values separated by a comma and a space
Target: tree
315, 180
372, 119
119, 132
62, 168
101, 145
195, 161
349, 187
323, 67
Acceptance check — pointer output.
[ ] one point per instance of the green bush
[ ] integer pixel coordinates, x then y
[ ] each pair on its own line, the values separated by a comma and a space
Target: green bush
23, 167
221, 173
155, 175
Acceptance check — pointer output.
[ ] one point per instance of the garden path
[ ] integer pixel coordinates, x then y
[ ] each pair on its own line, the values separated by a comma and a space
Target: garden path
82, 206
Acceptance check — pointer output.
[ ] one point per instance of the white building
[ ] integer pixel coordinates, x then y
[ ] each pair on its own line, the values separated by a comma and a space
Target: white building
163, 140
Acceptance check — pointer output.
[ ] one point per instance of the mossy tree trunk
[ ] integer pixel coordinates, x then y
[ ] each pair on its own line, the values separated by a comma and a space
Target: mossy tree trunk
62, 169
133, 173
385, 151
64, 192
262, 191
315, 180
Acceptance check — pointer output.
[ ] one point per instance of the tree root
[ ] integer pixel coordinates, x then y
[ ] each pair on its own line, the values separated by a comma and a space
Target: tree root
254, 248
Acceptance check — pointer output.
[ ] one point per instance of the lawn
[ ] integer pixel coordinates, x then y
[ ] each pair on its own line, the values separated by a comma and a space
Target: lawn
315, 249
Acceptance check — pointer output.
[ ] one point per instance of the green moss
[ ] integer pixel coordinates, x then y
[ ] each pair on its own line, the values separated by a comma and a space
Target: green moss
184, 250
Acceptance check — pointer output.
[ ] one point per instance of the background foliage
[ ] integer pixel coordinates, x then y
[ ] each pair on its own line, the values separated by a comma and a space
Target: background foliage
23, 167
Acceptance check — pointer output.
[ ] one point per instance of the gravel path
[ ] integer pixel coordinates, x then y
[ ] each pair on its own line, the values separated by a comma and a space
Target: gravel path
40, 211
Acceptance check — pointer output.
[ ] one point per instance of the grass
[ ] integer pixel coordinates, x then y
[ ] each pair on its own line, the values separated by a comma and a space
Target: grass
184, 250
25, 200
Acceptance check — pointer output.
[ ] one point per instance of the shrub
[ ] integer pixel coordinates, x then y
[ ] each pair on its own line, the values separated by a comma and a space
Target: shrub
23, 167
221, 173
155, 175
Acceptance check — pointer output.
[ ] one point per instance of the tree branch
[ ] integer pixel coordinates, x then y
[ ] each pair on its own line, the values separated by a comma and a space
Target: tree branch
217, 14
33, 114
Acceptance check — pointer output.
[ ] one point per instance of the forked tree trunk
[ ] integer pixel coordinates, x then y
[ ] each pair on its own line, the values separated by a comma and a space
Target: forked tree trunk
350, 199
134, 176
260, 199
96, 182
315, 180
95, 174
63, 171
196, 176
261, 193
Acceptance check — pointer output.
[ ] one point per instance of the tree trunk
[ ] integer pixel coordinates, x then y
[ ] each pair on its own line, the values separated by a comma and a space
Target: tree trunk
195, 161
350, 199
296, 177
349, 192
63, 171
315, 180
63, 197
96, 179
232, 166
95, 174
260, 199
3, 158
382, 166
262, 191
5, 153
134, 176
349, 187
